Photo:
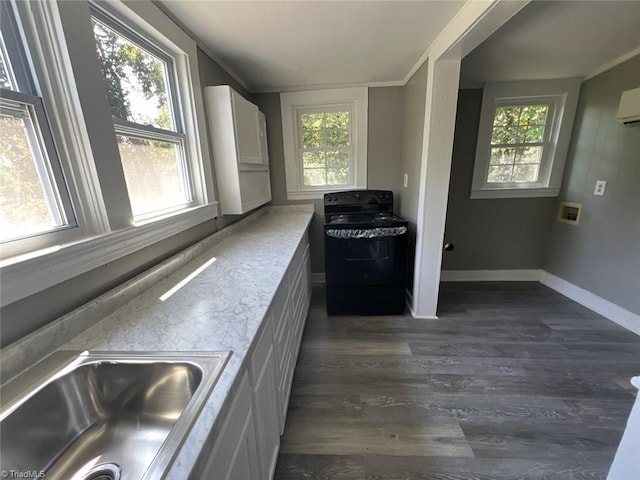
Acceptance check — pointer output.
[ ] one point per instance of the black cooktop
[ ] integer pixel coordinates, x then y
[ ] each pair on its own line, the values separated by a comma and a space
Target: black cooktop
364, 220
360, 209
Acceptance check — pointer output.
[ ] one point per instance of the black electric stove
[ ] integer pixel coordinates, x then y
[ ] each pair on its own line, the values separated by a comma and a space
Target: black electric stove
365, 253
356, 220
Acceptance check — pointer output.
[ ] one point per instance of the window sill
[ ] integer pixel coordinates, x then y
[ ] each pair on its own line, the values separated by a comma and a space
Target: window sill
28, 274
514, 193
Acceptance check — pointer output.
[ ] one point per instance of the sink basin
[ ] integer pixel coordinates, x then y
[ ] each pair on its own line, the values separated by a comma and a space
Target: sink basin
105, 415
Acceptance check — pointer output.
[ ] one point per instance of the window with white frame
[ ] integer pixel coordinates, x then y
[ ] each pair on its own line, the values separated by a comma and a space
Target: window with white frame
519, 140
523, 138
35, 205
325, 139
73, 195
140, 81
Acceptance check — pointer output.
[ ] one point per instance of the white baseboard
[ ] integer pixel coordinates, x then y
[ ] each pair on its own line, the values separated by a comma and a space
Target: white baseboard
318, 279
532, 275
409, 298
613, 312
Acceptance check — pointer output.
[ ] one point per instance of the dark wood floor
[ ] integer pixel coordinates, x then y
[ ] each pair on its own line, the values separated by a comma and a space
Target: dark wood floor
514, 381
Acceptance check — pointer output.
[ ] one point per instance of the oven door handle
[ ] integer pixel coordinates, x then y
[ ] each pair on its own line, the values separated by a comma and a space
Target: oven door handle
366, 232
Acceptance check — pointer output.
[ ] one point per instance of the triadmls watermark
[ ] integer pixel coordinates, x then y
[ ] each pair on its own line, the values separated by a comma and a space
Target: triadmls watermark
22, 473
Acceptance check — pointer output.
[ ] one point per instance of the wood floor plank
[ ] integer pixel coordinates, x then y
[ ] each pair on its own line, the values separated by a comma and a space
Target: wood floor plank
357, 346
410, 364
387, 467
328, 435
337, 382
513, 381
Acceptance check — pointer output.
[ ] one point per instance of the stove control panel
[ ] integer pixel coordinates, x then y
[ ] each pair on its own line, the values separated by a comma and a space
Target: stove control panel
359, 197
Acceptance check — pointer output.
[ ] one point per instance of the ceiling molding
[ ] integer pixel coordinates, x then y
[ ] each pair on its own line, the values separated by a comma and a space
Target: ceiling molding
613, 63
329, 86
202, 46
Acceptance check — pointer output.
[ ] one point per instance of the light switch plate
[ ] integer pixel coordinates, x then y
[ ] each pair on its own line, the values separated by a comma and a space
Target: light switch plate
405, 180
601, 186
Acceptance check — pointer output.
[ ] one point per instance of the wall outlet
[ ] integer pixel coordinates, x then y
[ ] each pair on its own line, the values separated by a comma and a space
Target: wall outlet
601, 186
405, 180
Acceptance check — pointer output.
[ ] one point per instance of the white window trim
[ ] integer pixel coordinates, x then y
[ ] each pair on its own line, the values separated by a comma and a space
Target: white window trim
50, 71
562, 95
153, 25
36, 271
357, 99
24, 275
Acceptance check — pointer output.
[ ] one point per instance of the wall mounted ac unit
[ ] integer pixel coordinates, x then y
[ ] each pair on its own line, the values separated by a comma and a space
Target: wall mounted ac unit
629, 109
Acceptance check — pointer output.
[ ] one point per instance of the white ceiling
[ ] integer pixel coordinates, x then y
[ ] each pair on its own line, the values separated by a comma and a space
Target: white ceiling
553, 39
285, 45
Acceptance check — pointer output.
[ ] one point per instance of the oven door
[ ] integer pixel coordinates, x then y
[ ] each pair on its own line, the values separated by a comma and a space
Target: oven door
366, 257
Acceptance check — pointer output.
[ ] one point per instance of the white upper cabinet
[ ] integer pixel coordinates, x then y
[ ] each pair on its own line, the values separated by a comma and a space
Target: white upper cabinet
239, 141
247, 125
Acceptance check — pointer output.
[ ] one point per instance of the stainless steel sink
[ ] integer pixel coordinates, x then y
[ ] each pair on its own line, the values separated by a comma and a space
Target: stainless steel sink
105, 416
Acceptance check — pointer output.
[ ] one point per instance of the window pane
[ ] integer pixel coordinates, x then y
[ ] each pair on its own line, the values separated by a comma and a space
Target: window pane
336, 138
338, 176
136, 80
325, 129
506, 116
338, 120
525, 173
315, 177
499, 174
313, 160
532, 134
337, 159
312, 121
311, 138
327, 138
534, 115
153, 173
504, 135
28, 203
6, 77
528, 154
502, 156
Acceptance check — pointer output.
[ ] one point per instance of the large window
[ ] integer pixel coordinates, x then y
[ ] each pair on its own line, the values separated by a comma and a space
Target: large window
34, 200
325, 139
523, 138
324, 143
518, 140
87, 178
141, 88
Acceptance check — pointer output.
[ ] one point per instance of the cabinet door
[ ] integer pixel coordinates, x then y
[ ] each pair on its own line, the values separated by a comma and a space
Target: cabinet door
255, 188
234, 455
263, 138
263, 383
266, 417
247, 123
243, 464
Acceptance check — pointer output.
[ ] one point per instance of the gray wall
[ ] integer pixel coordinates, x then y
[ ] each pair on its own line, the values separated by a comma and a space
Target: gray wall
413, 108
24, 316
602, 253
489, 234
384, 133
384, 140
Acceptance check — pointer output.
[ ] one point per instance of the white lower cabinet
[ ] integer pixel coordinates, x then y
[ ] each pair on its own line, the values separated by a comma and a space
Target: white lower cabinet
249, 440
234, 455
265, 402
291, 306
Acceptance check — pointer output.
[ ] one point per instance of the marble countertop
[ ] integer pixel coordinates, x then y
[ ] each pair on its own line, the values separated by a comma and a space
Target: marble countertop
220, 308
